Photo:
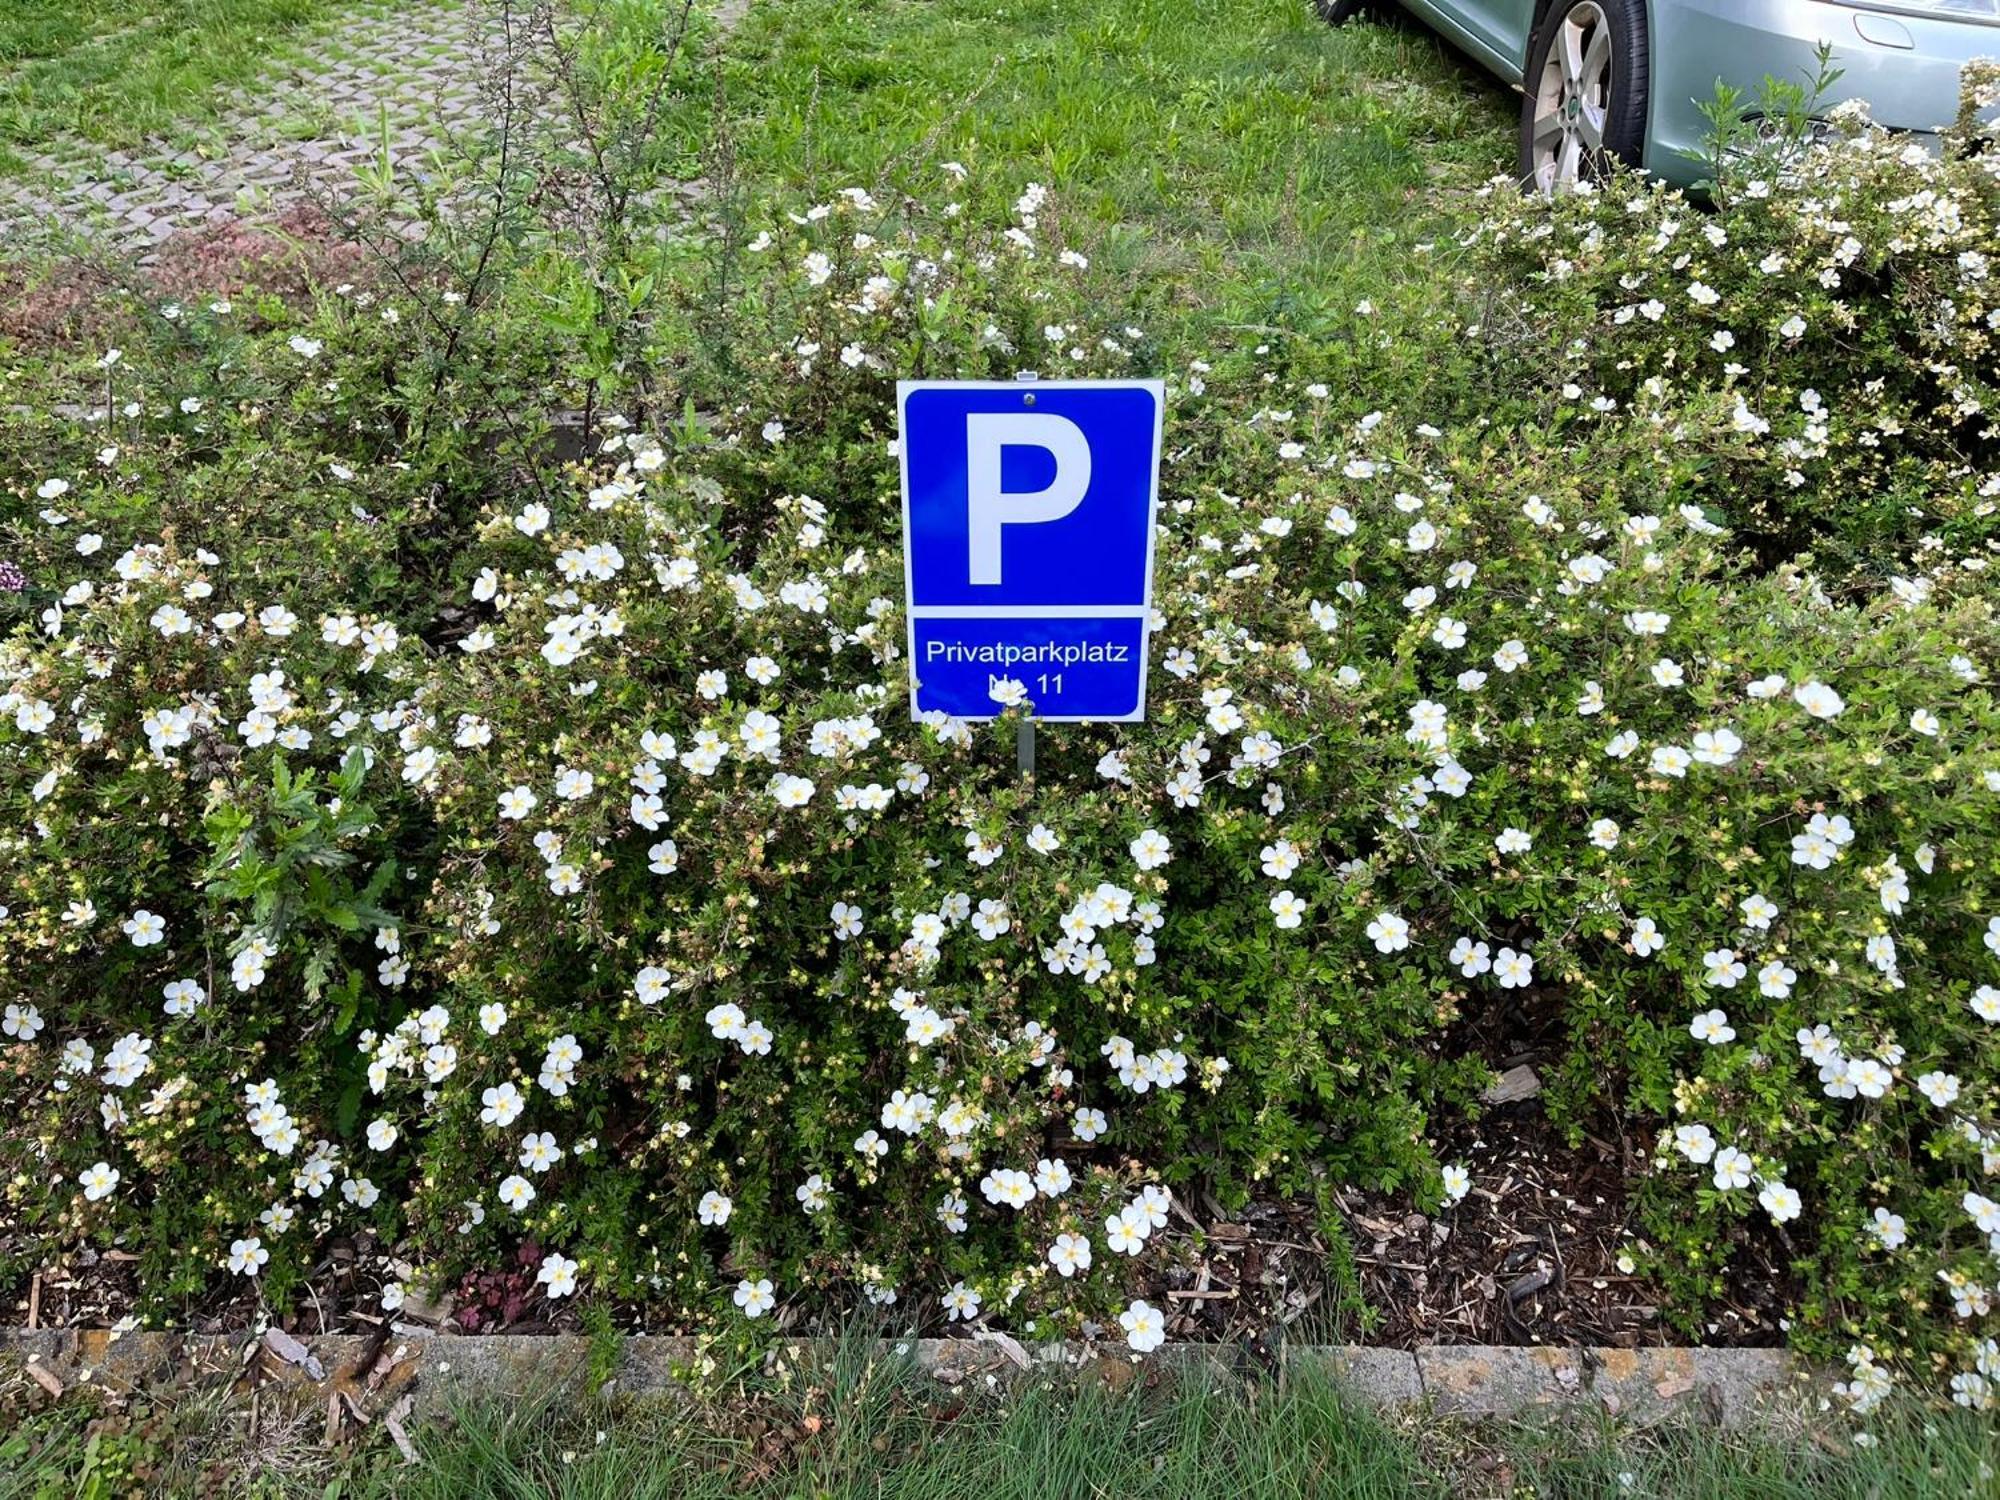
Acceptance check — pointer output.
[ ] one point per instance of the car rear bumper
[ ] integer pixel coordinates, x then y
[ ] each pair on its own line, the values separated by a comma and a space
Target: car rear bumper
1905, 64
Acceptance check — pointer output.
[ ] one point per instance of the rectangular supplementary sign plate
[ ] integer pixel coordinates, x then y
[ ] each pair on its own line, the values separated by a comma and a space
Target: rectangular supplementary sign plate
1028, 519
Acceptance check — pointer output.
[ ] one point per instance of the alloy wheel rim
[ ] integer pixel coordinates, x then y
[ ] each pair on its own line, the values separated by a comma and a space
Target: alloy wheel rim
1572, 99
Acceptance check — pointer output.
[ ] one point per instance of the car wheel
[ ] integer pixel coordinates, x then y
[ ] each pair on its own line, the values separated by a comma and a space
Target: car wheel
1585, 90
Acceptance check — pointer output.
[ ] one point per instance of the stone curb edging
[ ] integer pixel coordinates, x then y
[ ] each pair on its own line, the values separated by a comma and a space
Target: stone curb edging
1726, 1387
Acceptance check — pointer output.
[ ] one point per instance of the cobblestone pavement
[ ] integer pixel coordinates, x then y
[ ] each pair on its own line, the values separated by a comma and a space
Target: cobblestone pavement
407, 73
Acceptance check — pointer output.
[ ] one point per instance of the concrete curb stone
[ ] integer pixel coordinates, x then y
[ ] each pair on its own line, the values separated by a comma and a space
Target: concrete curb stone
1727, 1387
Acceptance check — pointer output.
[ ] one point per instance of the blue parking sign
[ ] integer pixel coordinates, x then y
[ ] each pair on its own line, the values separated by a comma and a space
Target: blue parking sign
1028, 512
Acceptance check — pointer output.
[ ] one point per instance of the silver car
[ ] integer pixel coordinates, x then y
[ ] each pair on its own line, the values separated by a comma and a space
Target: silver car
1627, 78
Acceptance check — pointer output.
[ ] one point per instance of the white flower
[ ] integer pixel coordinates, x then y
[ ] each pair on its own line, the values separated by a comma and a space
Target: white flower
1695, 1142
1732, 1169
1670, 760
1817, 699
1389, 932
144, 928
1151, 849
791, 791
1759, 911
539, 1152
1005, 1187
961, 1303
517, 1192
1780, 1202
755, 1297
558, 1274
247, 1257
1514, 970
1985, 1003
1985, 1213
1287, 911
1869, 1077
1723, 968
1457, 1183
1889, 1229
1940, 1088
98, 1182
1471, 957
1647, 939
1145, 1329
1775, 979
502, 1105
1712, 1026
1126, 1232
1717, 747
1069, 1254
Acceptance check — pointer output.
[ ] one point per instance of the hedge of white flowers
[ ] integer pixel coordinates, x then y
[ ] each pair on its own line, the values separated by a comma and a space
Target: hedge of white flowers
474, 851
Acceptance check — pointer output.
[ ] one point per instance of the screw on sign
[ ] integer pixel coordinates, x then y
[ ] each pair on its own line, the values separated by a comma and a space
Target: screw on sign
1028, 512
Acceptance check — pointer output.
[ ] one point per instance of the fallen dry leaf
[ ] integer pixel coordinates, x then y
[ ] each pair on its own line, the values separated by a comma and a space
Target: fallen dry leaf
393, 1423
292, 1352
44, 1379
1006, 1344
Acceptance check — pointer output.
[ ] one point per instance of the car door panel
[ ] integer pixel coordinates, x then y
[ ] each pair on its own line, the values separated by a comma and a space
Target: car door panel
1493, 31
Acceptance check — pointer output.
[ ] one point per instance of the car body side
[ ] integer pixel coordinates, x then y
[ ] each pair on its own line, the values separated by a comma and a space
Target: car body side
1905, 62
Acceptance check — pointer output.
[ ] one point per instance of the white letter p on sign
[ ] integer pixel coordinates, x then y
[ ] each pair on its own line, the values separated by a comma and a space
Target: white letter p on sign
989, 507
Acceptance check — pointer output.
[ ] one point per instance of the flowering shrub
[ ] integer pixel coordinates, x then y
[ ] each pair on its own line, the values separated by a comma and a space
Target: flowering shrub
1829, 332
482, 856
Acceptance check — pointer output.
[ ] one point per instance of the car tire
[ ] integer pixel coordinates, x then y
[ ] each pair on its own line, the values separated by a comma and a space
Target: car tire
1340, 12
1584, 92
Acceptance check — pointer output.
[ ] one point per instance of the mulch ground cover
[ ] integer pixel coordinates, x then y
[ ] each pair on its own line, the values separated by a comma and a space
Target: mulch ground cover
1528, 1257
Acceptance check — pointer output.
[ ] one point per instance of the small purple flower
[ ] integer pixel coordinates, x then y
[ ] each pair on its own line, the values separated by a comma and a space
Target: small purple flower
12, 579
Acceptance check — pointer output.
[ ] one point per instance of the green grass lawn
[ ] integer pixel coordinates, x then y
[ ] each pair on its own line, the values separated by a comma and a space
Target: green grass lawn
1242, 152
115, 72
864, 1426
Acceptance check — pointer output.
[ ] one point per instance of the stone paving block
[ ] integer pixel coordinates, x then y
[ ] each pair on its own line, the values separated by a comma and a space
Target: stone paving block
376, 60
